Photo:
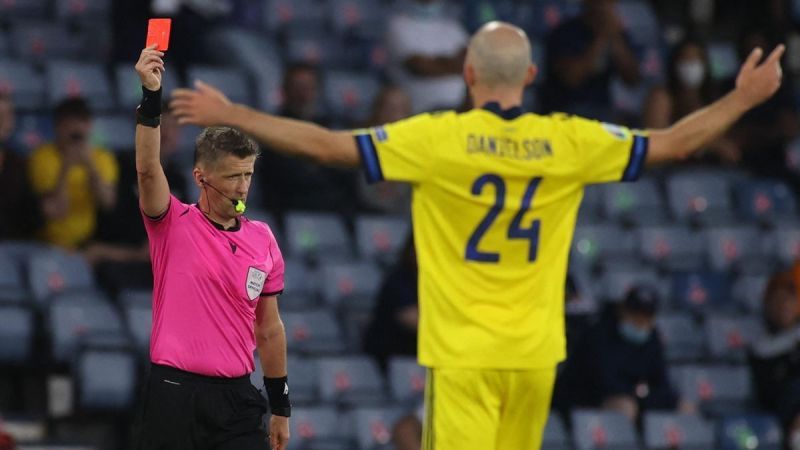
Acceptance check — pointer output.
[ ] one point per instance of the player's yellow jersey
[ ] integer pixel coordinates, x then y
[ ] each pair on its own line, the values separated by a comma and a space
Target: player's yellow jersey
495, 200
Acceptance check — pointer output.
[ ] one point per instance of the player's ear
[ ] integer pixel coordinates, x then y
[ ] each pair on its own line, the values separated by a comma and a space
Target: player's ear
469, 74
530, 76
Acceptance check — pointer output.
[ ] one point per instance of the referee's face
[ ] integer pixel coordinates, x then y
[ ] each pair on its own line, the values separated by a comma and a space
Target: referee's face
232, 176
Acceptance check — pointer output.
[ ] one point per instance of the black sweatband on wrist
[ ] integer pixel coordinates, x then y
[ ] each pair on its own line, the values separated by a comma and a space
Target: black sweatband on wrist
150, 108
152, 122
278, 396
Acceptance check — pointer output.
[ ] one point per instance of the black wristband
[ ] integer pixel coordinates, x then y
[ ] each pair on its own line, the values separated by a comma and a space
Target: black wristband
152, 122
150, 108
278, 396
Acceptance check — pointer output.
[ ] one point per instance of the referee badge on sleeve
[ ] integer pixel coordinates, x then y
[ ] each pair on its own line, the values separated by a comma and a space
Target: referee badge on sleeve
255, 282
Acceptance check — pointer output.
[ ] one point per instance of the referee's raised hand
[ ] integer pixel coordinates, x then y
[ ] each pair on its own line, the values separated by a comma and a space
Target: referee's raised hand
758, 81
150, 67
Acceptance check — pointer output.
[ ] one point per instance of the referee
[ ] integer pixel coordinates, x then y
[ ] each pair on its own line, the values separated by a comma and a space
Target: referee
217, 276
496, 196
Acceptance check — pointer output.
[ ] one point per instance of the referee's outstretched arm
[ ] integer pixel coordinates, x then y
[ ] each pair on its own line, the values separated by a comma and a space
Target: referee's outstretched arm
153, 186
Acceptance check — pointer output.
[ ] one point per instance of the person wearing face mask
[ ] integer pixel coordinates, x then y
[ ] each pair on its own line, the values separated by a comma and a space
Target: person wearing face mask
72, 179
625, 356
775, 357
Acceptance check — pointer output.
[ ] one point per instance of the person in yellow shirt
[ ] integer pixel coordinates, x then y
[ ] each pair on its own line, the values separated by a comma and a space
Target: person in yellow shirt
496, 192
71, 178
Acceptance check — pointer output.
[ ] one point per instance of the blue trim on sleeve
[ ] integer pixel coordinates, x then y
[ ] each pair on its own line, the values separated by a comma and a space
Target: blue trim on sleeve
369, 157
638, 156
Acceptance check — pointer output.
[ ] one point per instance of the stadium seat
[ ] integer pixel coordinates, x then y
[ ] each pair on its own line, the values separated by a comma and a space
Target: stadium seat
740, 249
135, 297
616, 284
350, 286
300, 283
12, 283
716, 389
52, 271
380, 238
683, 338
312, 46
547, 15
373, 427
350, 95
74, 79
316, 235
672, 248
786, 244
700, 197
319, 427
735, 432
303, 373
233, 82
602, 244
728, 338
356, 16
116, 133
350, 381
591, 209
17, 330
748, 293
24, 84
282, 14
555, 436
43, 41
640, 22
129, 88
312, 332
139, 321
83, 10
664, 430
23, 9
638, 204
73, 318
105, 380
599, 429
766, 201
699, 292
4, 45
723, 60
406, 380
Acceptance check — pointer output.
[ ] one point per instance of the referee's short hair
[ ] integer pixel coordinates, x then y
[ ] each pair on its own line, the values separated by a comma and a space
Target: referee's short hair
215, 142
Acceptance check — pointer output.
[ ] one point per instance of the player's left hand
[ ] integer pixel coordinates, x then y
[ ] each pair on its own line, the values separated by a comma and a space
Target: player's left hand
204, 106
278, 432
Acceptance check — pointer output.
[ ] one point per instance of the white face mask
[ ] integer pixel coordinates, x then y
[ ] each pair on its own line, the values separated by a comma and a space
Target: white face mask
691, 73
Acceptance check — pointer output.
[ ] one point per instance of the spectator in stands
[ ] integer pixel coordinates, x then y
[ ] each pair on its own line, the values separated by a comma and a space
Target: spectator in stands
391, 104
775, 357
6, 441
18, 208
582, 55
72, 179
119, 251
393, 330
292, 183
625, 356
427, 48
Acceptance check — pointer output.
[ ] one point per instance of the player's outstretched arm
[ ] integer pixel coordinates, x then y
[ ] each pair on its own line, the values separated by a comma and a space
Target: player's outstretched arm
755, 84
207, 106
153, 186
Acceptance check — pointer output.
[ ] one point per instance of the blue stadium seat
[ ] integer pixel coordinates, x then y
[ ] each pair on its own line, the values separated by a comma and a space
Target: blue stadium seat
300, 286
640, 22
12, 282
549, 14
303, 373
233, 82
740, 249
766, 201
350, 286
52, 271
700, 292
637, 203
350, 95
319, 427
728, 338
83, 10
139, 322
74, 79
373, 427
602, 244
361, 17
380, 238
700, 197
723, 59
312, 332
105, 380
616, 284
17, 330
43, 41
555, 436
677, 431
748, 293
717, 389
735, 432
23, 9
4, 50
406, 380
135, 297
129, 88
597, 429
316, 235
312, 46
75, 318
591, 209
350, 381
34, 130
23, 83
672, 248
682, 336
786, 244
279, 15
116, 133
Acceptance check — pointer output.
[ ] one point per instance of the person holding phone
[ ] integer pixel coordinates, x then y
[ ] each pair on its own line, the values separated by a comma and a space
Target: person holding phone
217, 277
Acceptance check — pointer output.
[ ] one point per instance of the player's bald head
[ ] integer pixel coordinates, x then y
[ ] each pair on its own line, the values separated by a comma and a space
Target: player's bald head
500, 55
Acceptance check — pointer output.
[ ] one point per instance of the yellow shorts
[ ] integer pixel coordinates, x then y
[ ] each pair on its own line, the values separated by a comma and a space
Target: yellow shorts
486, 409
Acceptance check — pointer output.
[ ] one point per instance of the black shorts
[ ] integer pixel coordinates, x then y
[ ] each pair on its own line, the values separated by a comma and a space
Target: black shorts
184, 411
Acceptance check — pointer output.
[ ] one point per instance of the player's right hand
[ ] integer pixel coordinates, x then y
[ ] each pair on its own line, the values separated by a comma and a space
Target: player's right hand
758, 82
150, 67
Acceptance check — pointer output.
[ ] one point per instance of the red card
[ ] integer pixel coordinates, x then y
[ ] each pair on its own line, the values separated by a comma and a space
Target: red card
158, 33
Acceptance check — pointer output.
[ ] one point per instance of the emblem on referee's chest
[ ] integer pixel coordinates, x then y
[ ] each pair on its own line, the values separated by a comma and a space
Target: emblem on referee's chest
255, 282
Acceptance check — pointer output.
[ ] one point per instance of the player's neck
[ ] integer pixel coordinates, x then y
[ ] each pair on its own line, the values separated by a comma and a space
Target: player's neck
507, 98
